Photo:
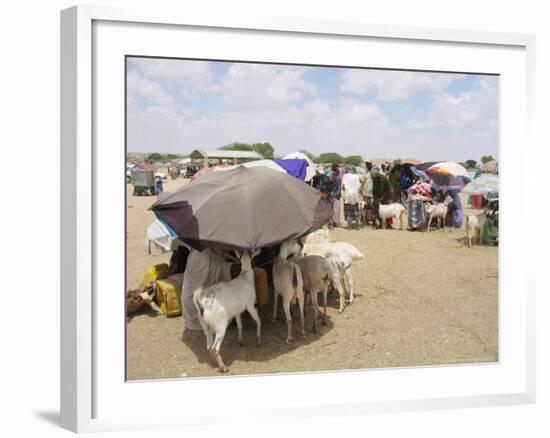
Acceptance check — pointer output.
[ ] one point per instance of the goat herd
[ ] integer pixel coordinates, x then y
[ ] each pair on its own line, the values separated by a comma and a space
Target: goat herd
309, 267
300, 268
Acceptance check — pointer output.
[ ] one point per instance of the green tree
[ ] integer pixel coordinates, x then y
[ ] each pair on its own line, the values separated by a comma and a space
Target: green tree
354, 160
264, 149
155, 156
329, 157
171, 157
486, 158
470, 164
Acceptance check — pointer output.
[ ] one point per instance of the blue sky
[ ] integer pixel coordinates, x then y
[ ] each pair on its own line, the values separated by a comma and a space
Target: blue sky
178, 105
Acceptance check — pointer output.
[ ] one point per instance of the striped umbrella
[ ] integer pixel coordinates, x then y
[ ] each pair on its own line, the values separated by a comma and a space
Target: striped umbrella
444, 174
450, 168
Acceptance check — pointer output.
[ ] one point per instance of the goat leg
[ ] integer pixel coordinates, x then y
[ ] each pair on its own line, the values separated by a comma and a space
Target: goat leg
254, 314
288, 316
302, 319
341, 292
216, 350
348, 282
240, 328
325, 293
276, 297
316, 312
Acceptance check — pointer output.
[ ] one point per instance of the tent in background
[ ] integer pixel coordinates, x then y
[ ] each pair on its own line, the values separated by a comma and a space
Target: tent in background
294, 167
310, 172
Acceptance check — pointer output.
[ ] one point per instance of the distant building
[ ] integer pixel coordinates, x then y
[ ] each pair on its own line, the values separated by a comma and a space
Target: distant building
220, 156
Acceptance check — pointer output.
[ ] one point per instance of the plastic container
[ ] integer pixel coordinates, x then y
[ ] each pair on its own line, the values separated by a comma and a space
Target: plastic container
262, 291
168, 295
153, 273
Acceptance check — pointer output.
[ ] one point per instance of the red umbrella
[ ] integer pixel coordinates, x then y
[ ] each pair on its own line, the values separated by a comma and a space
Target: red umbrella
412, 161
207, 170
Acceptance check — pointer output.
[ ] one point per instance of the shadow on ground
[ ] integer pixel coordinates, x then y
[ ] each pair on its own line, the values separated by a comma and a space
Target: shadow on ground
273, 334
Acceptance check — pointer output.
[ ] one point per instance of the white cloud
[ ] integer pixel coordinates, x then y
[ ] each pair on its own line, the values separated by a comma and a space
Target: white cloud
393, 85
478, 107
265, 86
277, 104
151, 91
350, 127
190, 76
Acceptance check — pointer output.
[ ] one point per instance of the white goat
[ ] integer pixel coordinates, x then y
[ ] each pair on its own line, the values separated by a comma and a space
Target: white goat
342, 254
474, 225
288, 283
341, 276
395, 211
320, 236
316, 273
323, 248
436, 211
220, 303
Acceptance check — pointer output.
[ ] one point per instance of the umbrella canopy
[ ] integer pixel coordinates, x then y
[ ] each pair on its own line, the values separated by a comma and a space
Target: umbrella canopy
426, 165
412, 161
265, 163
205, 170
310, 171
486, 183
449, 168
243, 208
444, 174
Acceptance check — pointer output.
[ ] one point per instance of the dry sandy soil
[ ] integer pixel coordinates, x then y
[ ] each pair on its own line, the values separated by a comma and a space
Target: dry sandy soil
421, 299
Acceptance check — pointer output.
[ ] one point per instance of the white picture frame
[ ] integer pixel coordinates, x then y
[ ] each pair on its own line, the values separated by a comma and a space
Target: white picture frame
92, 391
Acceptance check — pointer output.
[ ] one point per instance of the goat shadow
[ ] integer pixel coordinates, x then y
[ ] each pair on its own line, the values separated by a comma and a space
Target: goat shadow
273, 334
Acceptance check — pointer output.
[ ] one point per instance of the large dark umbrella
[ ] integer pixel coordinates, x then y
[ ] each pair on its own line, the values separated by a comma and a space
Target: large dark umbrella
244, 208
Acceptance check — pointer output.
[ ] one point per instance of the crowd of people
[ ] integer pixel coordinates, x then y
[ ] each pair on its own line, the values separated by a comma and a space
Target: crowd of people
362, 192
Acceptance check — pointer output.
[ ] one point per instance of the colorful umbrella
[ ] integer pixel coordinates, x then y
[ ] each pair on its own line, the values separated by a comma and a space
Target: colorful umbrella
444, 174
449, 168
206, 170
412, 161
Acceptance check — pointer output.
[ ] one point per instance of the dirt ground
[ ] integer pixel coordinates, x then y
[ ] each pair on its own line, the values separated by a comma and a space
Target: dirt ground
420, 299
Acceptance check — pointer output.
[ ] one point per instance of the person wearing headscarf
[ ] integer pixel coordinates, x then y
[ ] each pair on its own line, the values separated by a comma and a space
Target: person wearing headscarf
158, 184
367, 193
418, 194
455, 207
350, 190
367, 186
335, 181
